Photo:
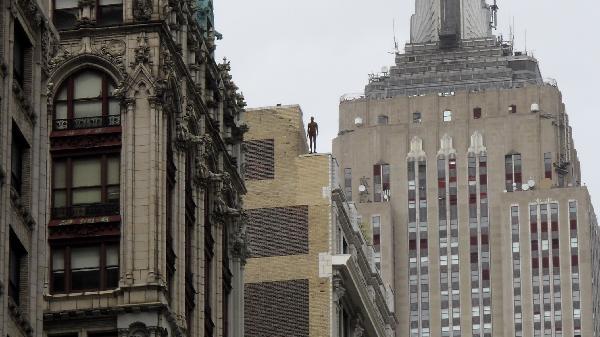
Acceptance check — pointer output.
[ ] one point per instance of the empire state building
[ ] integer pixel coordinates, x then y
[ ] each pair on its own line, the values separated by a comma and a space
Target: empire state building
460, 159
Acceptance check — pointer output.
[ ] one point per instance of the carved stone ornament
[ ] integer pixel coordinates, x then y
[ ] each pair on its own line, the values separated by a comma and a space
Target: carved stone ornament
139, 329
239, 247
32, 12
416, 149
477, 146
111, 51
338, 288
142, 10
142, 51
446, 147
359, 330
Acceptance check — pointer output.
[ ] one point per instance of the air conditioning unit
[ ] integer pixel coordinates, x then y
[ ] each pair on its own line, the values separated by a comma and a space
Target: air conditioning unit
358, 121
535, 108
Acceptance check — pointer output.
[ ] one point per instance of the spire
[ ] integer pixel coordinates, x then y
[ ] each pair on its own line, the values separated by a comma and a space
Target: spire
449, 21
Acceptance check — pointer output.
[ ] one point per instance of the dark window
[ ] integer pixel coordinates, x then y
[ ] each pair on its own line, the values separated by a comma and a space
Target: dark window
417, 118
85, 186
348, 183
512, 109
86, 100
477, 113
382, 120
109, 12
65, 13
85, 267
548, 165
16, 263
19, 148
21, 49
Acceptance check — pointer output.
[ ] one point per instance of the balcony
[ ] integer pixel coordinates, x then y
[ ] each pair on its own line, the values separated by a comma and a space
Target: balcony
85, 210
87, 122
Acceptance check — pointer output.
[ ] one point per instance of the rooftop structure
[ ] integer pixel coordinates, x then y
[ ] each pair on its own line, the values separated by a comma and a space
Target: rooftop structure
454, 52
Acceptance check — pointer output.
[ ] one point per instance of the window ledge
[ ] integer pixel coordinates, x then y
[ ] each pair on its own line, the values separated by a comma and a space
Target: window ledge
104, 293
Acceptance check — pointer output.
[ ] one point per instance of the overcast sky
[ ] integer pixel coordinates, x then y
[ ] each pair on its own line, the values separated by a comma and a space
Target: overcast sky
311, 52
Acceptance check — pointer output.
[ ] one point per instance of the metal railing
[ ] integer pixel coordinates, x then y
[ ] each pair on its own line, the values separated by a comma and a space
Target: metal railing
87, 122
86, 210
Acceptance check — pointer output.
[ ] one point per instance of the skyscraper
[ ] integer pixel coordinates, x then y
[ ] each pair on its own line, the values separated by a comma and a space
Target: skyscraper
462, 158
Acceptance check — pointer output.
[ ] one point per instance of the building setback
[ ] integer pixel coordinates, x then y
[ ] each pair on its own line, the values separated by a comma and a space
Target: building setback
462, 160
145, 233
26, 38
310, 272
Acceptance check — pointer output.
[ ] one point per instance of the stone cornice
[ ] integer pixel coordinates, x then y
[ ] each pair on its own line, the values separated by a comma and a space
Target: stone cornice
371, 278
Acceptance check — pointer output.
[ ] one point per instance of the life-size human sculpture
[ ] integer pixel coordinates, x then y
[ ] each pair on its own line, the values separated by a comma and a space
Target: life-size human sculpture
313, 132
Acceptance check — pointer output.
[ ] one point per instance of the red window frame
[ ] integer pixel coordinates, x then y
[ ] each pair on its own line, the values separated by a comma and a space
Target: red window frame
104, 186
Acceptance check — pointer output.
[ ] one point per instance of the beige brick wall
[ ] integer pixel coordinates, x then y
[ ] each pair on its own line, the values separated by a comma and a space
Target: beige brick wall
300, 179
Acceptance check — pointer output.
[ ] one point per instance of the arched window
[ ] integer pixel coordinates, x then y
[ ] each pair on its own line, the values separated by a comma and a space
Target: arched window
85, 100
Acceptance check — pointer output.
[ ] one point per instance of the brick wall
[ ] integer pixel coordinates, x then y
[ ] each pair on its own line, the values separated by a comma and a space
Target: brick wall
278, 231
288, 228
277, 309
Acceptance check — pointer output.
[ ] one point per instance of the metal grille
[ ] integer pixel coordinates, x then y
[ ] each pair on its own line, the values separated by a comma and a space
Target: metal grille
278, 231
277, 309
260, 159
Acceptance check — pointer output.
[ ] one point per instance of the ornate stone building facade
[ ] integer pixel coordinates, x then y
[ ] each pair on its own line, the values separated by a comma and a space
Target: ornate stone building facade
25, 40
145, 230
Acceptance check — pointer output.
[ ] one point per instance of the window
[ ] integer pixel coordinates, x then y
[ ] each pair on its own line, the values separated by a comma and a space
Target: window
348, 183
382, 120
512, 109
417, 118
21, 51
84, 268
477, 113
19, 149
447, 116
381, 181
85, 186
376, 222
16, 263
548, 165
84, 101
65, 13
514, 175
109, 12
